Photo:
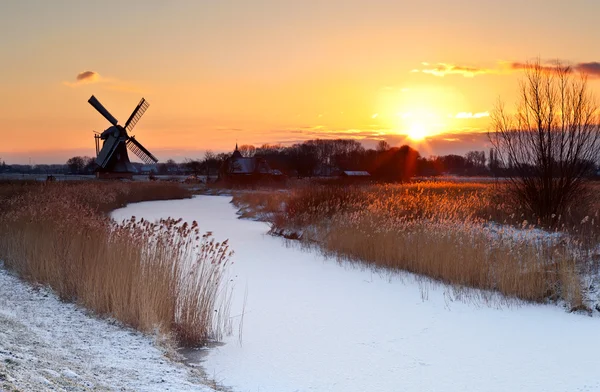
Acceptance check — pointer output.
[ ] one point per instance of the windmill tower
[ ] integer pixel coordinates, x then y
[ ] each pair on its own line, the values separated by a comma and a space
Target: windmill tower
111, 157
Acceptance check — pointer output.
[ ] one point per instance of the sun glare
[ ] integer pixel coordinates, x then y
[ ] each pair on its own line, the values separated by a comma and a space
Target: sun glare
417, 131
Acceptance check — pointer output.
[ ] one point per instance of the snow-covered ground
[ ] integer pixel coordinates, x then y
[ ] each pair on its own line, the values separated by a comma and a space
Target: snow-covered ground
48, 345
312, 324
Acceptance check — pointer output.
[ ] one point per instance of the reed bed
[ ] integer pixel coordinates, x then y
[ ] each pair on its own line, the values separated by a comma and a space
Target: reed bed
164, 276
464, 234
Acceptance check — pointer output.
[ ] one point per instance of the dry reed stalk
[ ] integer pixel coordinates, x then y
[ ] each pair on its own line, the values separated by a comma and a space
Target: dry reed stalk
149, 276
446, 231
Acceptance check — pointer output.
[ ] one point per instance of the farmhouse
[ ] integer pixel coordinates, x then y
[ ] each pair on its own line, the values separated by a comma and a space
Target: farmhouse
239, 167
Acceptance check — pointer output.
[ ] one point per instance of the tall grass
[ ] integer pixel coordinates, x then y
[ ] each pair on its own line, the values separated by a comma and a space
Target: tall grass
161, 276
459, 233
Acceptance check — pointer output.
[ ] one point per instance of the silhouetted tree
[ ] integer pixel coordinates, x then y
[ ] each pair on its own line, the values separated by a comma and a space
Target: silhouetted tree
247, 150
193, 166
476, 158
383, 146
81, 165
551, 139
395, 164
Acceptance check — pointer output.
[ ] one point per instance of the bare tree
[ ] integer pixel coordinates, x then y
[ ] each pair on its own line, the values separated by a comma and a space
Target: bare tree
382, 146
476, 158
76, 165
247, 150
551, 141
208, 155
193, 165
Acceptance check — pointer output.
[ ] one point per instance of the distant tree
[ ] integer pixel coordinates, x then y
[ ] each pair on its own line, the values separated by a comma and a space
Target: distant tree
76, 165
193, 166
247, 150
549, 143
222, 157
382, 145
168, 167
267, 149
89, 165
476, 158
396, 164
208, 155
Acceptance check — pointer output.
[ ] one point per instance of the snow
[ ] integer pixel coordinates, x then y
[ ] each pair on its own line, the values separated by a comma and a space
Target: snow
47, 345
313, 324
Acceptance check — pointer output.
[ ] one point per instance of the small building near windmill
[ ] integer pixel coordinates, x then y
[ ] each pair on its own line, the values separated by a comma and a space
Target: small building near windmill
356, 174
240, 168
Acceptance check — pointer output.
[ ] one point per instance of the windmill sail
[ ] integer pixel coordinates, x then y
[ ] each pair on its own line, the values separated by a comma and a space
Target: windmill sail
108, 148
139, 150
102, 110
137, 113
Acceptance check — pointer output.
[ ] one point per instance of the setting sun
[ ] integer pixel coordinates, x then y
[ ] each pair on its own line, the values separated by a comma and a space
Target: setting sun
417, 131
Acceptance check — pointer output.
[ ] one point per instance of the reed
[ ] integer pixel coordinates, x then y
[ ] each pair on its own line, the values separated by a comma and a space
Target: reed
463, 234
163, 276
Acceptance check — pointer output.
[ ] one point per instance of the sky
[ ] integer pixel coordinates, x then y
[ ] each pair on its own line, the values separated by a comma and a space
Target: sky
274, 71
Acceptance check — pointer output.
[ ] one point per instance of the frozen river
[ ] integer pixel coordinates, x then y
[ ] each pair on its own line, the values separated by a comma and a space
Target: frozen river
311, 324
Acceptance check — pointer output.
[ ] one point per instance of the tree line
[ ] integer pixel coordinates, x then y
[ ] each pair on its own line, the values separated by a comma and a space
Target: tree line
317, 158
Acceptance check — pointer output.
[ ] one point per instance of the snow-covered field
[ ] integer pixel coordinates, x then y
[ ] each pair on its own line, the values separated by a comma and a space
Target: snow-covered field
48, 345
312, 324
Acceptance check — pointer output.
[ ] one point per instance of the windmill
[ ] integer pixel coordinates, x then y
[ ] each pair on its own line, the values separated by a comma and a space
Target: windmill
112, 158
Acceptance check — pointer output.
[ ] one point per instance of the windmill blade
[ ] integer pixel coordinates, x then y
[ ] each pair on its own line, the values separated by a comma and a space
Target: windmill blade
137, 113
108, 148
102, 110
139, 150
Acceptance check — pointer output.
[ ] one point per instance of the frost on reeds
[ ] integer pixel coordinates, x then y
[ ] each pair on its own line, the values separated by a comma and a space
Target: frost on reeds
446, 231
164, 275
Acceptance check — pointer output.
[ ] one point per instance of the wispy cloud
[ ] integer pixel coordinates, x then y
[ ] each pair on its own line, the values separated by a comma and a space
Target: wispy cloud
93, 77
85, 77
591, 68
88, 77
546, 67
472, 115
443, 69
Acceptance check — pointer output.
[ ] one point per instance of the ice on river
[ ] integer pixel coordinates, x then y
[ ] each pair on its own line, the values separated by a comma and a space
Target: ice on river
311, 324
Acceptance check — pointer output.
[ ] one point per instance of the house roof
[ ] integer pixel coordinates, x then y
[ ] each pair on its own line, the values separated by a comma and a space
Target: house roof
361, 173
236, 152
241, 165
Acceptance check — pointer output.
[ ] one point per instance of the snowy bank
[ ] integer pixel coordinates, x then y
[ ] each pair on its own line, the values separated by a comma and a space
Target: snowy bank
49, 345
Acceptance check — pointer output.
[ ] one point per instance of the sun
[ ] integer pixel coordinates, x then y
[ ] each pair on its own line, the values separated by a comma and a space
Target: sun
417, 131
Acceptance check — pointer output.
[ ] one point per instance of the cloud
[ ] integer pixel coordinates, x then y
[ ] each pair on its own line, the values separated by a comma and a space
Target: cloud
524, 66
592, 68
85, 77
443, 69
93, 77
472, 115
88, 77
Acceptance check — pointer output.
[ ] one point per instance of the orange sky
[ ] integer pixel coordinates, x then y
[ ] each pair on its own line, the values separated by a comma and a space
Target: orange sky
272, 71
